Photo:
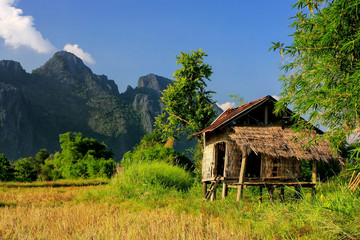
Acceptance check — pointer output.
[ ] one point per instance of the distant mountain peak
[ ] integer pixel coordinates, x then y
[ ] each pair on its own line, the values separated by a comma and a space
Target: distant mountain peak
11, 66
65, 61
11, 72
154, 82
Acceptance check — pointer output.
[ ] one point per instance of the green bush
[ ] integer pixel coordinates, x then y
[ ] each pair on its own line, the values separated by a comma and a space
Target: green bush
82, 157
155, 153
26, 169
155, 174
5, 169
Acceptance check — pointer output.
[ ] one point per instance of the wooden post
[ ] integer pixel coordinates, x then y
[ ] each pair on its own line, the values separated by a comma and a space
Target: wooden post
298, 191
224, 190
241, 177
313, 191
213, 195
282, 193
314, 172
271, 193
204, 189
260, 194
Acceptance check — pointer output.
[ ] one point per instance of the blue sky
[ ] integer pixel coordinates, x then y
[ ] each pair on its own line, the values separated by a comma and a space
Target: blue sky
126, 39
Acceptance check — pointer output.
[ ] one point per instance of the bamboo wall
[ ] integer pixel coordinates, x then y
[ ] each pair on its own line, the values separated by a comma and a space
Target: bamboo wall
270, 166
280, 167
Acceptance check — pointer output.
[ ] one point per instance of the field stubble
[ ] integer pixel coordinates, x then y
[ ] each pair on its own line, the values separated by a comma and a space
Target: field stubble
71, 213
50, 213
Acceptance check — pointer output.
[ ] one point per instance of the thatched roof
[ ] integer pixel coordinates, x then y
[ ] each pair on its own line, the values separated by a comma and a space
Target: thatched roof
278, 141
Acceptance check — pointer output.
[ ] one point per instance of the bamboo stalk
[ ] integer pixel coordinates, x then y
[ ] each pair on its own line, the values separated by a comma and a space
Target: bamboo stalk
352, 176
355, 180
357, 184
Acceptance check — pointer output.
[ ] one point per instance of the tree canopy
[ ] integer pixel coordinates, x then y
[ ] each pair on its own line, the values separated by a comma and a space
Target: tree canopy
322, 74
188, 105
81, 157
5, 168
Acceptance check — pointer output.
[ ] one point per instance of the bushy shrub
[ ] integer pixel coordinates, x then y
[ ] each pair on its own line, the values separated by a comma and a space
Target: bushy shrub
26, 169
156, 174
156, 153
6, 171
82, 157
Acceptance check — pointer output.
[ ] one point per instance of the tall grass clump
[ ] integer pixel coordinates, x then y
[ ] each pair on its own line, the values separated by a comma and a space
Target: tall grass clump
157, 174
151, 181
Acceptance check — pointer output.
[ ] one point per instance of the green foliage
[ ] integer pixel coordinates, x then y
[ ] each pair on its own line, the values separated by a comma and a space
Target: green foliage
237, 99
80, 157
325, 171
41, 156
49, 171
151, 150
26, 169
188, 105
158, 174
197, 153
5, 168
322, 76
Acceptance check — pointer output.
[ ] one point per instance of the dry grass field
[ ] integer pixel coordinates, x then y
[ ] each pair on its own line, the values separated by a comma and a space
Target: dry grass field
55, 213
98, 212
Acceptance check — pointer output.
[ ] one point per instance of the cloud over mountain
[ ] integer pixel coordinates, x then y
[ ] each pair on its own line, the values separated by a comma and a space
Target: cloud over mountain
18, 30
86, 57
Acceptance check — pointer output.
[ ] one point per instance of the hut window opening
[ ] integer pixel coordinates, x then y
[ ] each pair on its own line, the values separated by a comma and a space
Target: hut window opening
220, 158
253, 165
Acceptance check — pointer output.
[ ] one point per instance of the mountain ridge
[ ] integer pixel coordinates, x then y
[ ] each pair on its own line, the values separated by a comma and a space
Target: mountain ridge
65, 95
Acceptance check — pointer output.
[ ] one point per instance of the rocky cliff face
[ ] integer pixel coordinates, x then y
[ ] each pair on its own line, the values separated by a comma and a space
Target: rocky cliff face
64, 95
145, 98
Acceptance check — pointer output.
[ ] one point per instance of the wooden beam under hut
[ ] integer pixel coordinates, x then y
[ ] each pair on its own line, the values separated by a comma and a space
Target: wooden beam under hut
270, 186
241, 177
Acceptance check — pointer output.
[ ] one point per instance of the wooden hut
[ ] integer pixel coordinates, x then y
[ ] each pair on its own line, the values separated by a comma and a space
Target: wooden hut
250, 145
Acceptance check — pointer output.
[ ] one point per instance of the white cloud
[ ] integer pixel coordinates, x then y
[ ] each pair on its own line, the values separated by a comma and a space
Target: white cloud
226, 105
86, 57
18, 30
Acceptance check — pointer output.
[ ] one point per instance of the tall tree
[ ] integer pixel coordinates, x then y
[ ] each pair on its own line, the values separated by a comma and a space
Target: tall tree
322, 76
5, 168
188, 105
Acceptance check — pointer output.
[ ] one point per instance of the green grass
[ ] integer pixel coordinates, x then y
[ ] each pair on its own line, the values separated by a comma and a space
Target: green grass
127, 208
58, 183
332, 214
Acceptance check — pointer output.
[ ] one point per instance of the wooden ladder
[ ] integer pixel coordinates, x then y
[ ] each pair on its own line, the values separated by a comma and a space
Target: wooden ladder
212, 188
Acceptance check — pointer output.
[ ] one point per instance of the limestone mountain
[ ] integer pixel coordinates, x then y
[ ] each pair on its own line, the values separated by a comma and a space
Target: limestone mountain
65, 95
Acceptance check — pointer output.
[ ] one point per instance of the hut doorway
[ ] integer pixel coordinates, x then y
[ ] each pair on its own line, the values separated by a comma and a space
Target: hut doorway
253, 167
220, 149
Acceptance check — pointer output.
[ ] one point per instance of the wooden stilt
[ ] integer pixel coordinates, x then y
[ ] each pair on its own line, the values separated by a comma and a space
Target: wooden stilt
313, 191
260, 194
314, 172
298, 191
224, 191
212, 188
271, 193
241, 177
213, 195
204, 189
282, 193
